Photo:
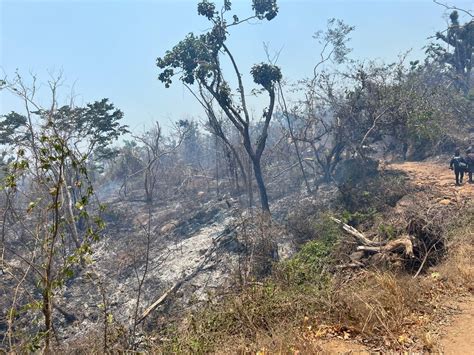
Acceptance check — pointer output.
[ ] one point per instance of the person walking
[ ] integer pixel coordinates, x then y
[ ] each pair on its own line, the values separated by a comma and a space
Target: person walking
459, 165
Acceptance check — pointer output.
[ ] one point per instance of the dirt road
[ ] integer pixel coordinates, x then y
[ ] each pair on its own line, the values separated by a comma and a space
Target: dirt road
458, 337
437, 176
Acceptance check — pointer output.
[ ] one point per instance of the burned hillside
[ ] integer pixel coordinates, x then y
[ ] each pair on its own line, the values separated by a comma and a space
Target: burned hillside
282, 212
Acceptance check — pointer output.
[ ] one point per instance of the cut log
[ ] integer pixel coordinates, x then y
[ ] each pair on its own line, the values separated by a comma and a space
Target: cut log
355, 233
403, 243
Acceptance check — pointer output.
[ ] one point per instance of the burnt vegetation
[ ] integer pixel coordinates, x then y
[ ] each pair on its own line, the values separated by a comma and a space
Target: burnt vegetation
234, 228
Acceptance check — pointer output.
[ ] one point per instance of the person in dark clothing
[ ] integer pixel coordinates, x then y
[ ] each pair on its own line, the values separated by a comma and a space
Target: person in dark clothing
470, 163
459, 165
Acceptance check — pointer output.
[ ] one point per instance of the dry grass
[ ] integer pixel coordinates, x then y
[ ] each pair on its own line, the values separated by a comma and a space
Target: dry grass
255, 317
377, 303
286, 314
301, 305
380, 307
458, 269
430, 342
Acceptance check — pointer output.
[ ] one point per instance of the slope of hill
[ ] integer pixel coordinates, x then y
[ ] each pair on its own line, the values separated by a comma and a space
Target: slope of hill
386, 302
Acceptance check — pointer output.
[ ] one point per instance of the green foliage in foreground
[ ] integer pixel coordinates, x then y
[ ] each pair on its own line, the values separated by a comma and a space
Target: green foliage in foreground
309, 266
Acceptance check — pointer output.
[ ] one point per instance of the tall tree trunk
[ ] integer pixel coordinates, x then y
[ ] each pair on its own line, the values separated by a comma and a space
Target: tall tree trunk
47, 312
261, 184
249, 183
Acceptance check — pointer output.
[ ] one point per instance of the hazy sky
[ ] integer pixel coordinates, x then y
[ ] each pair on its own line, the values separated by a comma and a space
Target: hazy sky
109, 48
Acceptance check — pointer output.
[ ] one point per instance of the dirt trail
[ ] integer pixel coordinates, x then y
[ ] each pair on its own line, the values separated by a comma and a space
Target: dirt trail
458, 337
438, 177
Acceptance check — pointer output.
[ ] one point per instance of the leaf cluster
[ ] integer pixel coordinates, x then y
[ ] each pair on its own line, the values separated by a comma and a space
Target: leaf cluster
10, 126
196, 57
266, 75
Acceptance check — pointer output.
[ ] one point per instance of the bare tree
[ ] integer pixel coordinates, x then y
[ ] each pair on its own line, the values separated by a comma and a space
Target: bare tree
154, 149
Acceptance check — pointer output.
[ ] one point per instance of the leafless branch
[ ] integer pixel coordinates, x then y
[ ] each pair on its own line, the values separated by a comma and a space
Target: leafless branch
451, 7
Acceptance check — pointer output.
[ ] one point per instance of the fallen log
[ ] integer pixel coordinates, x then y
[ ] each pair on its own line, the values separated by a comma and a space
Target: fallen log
404, 243
160, 300
355, 233
177, 285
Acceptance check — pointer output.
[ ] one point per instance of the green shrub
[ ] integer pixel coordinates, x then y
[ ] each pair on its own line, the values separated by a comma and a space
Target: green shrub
363, 199
310, 264
424, 132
